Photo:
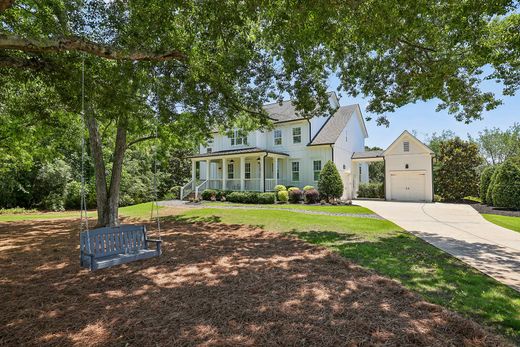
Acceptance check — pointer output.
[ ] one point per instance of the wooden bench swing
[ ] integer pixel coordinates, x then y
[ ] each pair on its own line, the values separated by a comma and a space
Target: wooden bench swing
109, 246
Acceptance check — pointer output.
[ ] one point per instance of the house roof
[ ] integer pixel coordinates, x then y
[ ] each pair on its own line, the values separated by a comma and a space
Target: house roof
286, 110
368, 154
331, 130
236, 151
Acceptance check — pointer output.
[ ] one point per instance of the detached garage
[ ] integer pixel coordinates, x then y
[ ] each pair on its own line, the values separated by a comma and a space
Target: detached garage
408, 168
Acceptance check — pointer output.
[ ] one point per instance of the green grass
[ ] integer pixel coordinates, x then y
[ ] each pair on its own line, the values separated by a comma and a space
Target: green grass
383, 246
508, 222
331, 209
139, 211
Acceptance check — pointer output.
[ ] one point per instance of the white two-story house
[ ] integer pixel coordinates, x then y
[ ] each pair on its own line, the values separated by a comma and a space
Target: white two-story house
292, 153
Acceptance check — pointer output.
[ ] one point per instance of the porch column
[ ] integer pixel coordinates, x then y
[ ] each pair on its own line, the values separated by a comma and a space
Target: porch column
242, 173
207, 169
275, 174
262, 186
193, 172
224, 173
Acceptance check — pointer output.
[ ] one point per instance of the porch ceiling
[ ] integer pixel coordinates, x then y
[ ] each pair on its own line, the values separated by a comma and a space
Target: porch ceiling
235, 152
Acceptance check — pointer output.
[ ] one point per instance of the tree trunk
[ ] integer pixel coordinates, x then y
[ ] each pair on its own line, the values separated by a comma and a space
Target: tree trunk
107, 199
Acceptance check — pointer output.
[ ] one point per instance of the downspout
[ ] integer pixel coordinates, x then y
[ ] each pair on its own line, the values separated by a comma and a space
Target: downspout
332, 151
310, 137
263, 159
384, 177
433, 191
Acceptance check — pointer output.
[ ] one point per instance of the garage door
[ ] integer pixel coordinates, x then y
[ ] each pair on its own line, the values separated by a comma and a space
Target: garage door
408, 186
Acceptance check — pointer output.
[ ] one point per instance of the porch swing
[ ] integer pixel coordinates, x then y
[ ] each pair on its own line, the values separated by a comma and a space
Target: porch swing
110, 246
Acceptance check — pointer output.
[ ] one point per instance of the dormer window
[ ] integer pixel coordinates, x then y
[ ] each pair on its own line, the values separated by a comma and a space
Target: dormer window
237, 139
277, 137
209, 150
406, 146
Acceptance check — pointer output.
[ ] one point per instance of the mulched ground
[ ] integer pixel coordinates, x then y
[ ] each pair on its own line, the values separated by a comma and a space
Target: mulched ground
215, 285
481, 208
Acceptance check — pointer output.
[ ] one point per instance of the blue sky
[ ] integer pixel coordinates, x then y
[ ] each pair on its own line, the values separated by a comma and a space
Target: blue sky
422, 118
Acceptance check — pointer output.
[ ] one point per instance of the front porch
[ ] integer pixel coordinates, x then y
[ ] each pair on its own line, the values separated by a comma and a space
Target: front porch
258, 171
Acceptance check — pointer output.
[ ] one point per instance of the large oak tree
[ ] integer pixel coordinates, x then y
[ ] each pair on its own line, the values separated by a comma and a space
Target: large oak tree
189, 66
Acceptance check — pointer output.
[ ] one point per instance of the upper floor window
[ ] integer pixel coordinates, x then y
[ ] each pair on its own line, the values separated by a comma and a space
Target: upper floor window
316, 165
209, 150
277, 137
406, 146
237, 139
297, 135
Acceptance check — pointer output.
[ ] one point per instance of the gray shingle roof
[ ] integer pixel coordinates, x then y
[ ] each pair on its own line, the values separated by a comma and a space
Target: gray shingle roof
236, 151
367, 154
331, 130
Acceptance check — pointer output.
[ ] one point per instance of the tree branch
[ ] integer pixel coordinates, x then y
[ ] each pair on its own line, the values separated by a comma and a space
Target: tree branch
81, 45
141, 139
5, 4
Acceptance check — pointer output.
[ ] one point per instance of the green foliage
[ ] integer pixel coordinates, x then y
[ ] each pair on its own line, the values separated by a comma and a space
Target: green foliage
489, 192
283, 196
506, 188
279, 188
50, 185
330, 185
295, 195
292, 189
376, 170
311, 196
456, 174
266, 198
371, 190
251, 197
498, 145
207, 194
485, 180
307, 188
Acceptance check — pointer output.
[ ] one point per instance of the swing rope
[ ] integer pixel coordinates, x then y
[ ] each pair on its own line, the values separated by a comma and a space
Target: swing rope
155, 207
83, 204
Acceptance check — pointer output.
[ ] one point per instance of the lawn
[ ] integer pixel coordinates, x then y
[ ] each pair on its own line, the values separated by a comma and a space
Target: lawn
331, 209
508, 222
382, 246
136, 211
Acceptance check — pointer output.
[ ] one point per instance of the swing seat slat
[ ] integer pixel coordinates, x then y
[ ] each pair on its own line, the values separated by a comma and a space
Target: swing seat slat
110, 246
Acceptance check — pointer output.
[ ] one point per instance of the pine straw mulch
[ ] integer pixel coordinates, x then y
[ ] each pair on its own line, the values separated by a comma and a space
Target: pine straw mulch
215, 285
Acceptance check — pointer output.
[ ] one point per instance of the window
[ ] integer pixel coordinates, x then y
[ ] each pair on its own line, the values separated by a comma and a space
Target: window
209, 150
297, 135
237, 139
277, 137
360, 171
231, 171
247, 171
295, 171
406, 146
316, 165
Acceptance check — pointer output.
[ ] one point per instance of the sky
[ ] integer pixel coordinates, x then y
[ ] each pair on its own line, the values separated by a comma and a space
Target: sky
424, 120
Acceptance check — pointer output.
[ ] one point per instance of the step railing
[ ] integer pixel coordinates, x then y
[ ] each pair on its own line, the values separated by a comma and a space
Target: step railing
186, 189
200, 188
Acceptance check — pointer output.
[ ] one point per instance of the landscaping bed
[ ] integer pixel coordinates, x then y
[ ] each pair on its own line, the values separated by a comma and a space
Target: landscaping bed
485, 209
215, 284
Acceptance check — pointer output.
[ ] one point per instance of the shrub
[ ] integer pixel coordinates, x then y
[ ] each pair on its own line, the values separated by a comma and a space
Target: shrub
295, 195
283, 196
235, 197
290, 189
208, 193
506, 188
485, 179
266, 198
371, 190
311, 196
50, 185
279, 188
243, 197
489, 192
330, 184
307, 188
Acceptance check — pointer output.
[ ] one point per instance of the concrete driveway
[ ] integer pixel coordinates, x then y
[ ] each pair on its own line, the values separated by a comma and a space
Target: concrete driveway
461, 231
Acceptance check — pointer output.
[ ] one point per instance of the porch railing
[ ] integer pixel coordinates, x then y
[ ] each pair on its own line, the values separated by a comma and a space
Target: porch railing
232, 185
214, 184
252, 184
270, 183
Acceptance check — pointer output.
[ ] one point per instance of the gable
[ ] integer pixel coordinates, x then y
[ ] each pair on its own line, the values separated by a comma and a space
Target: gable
333, 127
415, 146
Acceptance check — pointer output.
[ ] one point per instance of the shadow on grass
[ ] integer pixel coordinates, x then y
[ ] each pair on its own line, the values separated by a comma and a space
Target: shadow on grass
434, 274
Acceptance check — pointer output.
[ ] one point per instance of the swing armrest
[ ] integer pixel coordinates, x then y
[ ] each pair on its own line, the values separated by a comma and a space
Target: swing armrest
157, 244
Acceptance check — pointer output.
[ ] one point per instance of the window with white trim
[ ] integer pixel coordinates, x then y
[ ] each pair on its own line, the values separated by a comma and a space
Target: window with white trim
237, 139
406, 146
316, 166
295, 169
209, 148
247, 171
231, 171
297, 135
277, 137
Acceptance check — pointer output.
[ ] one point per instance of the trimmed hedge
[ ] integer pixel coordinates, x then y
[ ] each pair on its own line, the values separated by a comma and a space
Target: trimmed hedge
506, 188
307, 188
251, 197
485, 180
218, 194
371, 190
311, 196
283, 196
266, 198
279, 188
295, 195
330, 185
